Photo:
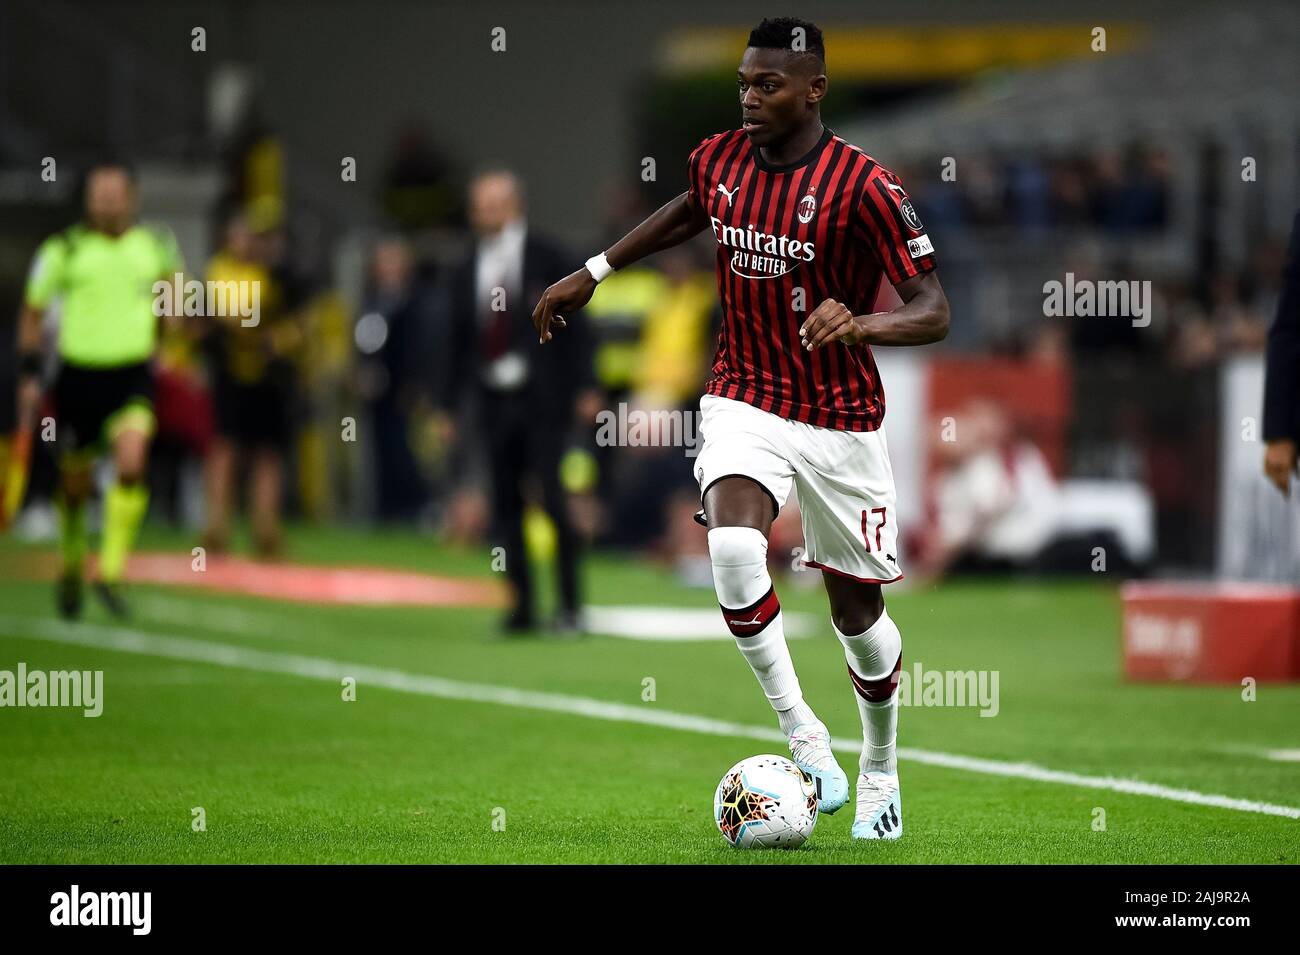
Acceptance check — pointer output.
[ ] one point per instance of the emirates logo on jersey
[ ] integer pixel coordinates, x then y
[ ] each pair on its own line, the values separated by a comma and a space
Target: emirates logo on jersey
759, 255
807, 208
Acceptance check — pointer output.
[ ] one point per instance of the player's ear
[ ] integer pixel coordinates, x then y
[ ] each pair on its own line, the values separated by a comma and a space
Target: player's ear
816, 88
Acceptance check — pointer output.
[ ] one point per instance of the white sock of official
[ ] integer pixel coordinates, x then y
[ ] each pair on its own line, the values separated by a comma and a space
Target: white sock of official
753, 614
874, 657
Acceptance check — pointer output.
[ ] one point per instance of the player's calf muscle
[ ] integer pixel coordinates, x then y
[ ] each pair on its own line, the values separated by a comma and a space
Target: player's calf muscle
854, 606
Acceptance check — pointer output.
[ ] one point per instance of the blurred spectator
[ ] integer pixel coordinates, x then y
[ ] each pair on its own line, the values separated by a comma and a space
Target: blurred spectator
254, 380
1107, 186
1070, 206
1117, 191
1029, 193
994, 500
675, 348
1145, 195
675, 344
1240, 328
183, 405
392, 338
529, 398
1194, 343
253, 160
419, 190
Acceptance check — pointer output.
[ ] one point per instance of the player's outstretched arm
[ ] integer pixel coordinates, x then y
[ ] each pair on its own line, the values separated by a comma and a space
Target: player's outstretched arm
670, 225
920, 320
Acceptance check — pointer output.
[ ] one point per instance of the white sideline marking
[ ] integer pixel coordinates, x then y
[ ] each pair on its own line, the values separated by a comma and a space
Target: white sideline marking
1282, 755
236, 620
1263, 752
220, 654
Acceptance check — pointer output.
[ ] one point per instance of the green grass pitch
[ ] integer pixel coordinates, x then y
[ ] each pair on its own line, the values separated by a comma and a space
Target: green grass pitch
287, 771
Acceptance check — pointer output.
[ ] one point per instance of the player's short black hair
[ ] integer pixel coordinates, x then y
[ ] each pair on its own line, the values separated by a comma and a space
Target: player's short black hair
779, 33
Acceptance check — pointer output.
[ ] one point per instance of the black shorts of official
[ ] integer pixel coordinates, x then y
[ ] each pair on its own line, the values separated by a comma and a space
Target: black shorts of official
254, 415
87, 398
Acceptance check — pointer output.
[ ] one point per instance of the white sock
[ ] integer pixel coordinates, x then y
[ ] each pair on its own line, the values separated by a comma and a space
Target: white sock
874, 657
800, 713
753, 614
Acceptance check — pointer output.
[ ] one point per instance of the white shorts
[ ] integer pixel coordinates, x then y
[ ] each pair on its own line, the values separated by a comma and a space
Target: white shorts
844, 479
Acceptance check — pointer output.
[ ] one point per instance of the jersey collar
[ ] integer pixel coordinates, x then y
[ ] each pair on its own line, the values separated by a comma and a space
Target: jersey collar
812, 154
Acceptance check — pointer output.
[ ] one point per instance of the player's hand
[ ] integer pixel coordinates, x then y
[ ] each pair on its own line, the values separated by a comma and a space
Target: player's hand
1280, 463
571, 292
830, 322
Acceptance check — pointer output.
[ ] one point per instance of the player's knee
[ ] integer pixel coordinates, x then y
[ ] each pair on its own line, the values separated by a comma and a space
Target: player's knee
130, 452
858, 619
739, 557
129, 469
850, 622
737, 547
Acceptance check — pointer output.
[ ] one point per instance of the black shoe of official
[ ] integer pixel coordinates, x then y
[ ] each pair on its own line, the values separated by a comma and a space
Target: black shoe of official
518, 623
110, 595
69, 593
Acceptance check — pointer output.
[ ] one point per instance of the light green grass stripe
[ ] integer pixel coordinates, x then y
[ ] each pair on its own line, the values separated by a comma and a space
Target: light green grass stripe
203, 651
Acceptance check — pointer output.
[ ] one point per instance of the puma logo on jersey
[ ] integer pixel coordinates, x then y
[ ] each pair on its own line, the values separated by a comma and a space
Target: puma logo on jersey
730, 195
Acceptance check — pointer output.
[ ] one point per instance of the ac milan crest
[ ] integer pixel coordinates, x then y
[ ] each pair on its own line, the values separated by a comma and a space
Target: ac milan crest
807, 208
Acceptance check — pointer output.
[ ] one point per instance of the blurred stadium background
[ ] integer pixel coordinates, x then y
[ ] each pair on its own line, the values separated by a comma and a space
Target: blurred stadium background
1029, 155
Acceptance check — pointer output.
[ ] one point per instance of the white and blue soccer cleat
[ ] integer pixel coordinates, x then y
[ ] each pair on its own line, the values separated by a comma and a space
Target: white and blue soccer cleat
810, 747
880, 807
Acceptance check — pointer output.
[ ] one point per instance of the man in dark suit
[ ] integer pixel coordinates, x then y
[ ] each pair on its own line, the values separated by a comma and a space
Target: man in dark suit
529, 399
392, 339
1282, 382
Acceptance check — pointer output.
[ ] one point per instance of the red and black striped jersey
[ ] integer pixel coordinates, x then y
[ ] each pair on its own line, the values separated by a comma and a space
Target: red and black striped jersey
790, 237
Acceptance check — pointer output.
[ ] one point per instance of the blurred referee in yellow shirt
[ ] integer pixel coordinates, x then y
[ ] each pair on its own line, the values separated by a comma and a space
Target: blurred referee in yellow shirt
102, 271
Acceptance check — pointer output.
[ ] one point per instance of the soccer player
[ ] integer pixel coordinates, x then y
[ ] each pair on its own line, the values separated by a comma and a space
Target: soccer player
806, 224
103, 271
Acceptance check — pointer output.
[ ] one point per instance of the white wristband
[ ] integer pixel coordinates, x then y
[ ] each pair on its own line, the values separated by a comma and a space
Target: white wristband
599, 267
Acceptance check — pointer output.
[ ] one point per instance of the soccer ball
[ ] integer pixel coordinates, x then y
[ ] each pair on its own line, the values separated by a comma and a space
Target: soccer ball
765, 802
